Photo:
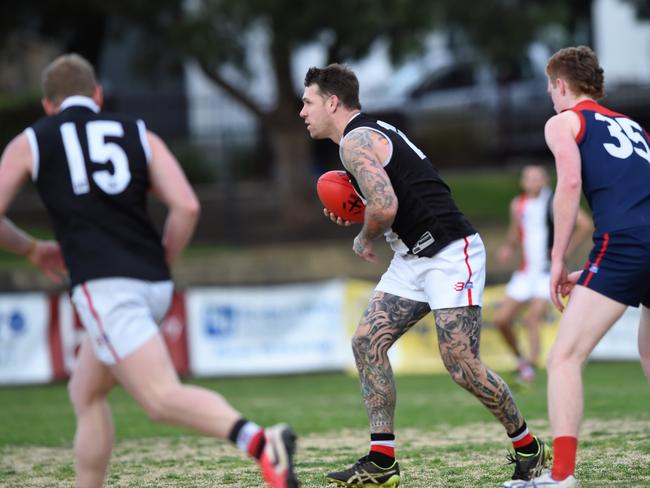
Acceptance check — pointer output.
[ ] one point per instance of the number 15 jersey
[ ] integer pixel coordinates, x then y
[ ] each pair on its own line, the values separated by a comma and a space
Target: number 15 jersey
615, 153
91, 171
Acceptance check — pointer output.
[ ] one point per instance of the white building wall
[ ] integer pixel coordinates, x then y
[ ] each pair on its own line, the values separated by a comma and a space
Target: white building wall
622, 42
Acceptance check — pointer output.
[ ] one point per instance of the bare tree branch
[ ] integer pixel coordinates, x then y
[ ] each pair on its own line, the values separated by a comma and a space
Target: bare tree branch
238, 95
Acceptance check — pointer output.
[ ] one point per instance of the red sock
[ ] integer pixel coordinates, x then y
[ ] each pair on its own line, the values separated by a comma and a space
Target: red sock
383, 449
256, 444
564, 457
525, 440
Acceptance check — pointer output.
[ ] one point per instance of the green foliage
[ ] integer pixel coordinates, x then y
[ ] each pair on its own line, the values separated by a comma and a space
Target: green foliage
197, 166
16, 113
484, 196
500, 31
216, 34
350, 27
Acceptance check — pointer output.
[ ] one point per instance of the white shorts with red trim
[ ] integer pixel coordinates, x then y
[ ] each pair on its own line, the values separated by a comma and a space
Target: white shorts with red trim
454, 277
527, 285
121, 314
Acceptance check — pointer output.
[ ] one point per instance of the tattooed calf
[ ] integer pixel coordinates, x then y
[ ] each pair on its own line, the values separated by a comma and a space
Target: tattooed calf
459, 335
385, 320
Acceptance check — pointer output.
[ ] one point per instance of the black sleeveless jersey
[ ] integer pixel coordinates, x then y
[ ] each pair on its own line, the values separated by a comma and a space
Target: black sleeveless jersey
91, 171
427, 218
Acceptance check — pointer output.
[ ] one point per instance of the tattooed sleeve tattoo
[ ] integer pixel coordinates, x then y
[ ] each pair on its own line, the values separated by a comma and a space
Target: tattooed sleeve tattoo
459, 334
359, 156
385, 320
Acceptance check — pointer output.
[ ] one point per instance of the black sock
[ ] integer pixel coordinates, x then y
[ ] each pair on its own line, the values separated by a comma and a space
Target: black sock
234, 432
248, 437
529, 448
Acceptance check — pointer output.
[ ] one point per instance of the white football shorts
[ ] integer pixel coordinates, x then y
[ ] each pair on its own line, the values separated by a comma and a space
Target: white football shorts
121, 314
454, 277
527, 285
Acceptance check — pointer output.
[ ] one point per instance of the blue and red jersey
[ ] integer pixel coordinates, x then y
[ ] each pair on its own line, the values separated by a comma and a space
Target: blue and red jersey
615, 153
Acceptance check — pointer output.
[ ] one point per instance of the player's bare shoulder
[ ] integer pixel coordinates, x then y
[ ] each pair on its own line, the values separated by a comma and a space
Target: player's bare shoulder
18, 154
363, 152
562, 124
363, 146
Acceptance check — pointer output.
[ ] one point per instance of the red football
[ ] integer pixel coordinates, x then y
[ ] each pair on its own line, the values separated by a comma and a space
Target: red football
337, 195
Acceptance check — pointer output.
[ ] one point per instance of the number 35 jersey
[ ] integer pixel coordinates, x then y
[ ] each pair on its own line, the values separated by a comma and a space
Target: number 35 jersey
91, 171
615, 153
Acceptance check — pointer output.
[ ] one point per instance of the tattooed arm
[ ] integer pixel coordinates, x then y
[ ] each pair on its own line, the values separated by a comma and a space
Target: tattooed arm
363, 152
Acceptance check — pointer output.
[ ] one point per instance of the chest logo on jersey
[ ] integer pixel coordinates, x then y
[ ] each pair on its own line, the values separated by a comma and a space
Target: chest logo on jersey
423, 242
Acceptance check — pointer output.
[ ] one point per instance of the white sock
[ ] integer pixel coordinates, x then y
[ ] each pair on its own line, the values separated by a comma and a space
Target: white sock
246, 434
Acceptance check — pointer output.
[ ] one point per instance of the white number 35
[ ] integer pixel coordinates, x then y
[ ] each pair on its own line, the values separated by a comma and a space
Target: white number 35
627, 132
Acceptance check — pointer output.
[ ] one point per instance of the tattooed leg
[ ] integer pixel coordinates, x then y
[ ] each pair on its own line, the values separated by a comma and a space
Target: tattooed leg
384, 321
459, 333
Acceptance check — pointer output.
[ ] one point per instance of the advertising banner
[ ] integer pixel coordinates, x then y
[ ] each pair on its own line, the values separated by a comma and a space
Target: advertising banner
67, 332
221, 331
24, 341
67, 329
266, 330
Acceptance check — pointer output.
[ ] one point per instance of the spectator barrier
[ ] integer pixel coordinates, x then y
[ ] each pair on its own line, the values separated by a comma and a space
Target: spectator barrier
226, 331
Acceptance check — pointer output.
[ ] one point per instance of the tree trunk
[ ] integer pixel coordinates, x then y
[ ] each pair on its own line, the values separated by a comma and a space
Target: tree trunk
287, 133
292, 165
292, 159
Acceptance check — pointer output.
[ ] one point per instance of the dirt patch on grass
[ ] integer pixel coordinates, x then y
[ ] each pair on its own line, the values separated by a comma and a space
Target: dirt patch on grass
613, 453
444, 436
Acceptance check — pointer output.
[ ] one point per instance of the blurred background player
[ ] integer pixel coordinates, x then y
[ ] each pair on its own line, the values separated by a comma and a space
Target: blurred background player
93, 172
438, 265
607, 155
531, 232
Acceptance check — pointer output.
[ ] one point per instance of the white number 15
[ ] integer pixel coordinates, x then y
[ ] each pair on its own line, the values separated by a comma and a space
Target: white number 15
99, 151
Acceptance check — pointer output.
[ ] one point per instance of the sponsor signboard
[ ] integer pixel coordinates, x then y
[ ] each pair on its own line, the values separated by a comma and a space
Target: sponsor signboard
68, 330
263, 330
266, 330
24, 339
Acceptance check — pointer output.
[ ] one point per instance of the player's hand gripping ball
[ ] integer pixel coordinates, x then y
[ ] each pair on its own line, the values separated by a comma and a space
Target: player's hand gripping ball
337, 195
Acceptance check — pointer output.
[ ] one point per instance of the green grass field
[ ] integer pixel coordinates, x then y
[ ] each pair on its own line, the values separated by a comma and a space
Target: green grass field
445, 437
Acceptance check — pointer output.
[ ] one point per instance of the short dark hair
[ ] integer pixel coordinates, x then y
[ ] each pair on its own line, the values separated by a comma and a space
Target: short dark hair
579, 66
336, 79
